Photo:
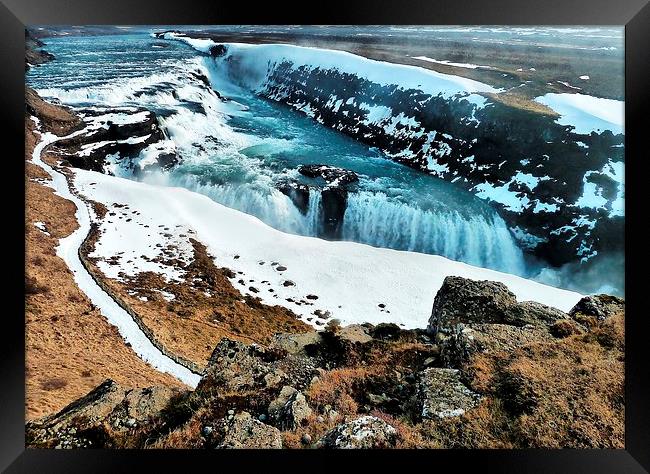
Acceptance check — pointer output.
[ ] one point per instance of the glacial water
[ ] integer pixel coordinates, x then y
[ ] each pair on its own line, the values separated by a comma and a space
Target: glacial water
235, 151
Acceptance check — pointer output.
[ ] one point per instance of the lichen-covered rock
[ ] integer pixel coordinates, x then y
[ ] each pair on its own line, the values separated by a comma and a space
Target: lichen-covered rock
290, 409
365, 432
599, 306
460, 300
108, 403
238, 367
296, 343
443, 394
235, 366
244, 432
354, 334
532, 312
464, 301
465, 340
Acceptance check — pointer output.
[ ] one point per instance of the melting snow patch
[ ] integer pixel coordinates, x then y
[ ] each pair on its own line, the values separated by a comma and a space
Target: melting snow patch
41, 226
449, 63
586, 113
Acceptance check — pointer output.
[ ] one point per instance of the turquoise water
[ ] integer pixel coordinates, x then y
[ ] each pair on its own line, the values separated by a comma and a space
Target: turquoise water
238, 150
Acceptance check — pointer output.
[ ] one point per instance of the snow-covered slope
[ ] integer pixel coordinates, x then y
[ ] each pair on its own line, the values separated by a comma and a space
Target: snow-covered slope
350, 280
68, 250
586, 113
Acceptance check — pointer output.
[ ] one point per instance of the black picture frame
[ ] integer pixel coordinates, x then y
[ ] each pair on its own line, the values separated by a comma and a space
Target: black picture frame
16, 14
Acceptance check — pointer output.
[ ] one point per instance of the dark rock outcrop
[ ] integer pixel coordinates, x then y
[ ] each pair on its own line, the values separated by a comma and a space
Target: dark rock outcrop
136, 130
333, 185
297, 192
598, 306
332, 175
218, 50
464, 301
34, 52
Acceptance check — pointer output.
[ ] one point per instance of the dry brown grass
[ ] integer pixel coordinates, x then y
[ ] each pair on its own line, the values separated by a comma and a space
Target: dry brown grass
559, 394
519, 101
336, 387
193, 323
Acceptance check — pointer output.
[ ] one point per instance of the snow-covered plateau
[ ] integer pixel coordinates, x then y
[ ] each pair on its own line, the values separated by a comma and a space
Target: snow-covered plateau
350, 280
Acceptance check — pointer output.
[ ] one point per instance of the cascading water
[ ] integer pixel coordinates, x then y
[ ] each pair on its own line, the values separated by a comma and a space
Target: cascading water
236, 150
478, 240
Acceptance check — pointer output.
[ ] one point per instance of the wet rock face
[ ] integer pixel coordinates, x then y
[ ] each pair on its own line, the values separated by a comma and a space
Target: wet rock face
119, 134
333, 204
366, 432
333, 185
218, 50
464, 301
297, 192
443, 394
333, 176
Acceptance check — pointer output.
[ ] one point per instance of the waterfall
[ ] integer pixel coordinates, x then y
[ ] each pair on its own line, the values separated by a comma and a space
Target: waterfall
477, 239
375, 219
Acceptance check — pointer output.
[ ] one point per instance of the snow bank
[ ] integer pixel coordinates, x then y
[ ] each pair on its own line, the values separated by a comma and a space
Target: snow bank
349, 279
255, 61
449, 63
586, 113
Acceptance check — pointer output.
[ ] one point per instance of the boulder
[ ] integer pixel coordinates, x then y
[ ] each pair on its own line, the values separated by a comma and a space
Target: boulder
464, 301
386, 331
354, 334
532, 312
296, 343
460, 300
363, 433
290, 409
109, 403
238, 367
600, 307
235, 366
458, 347
245, 432
442, 394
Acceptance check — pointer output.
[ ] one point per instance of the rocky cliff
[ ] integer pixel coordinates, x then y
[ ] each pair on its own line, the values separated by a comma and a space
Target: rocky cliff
489, 371
558, 187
